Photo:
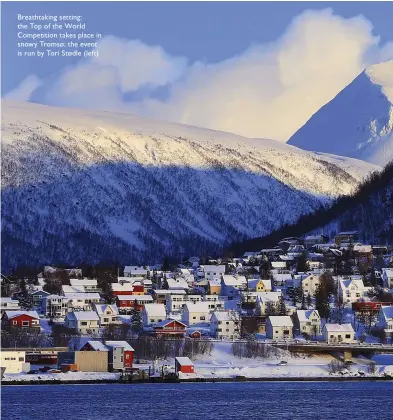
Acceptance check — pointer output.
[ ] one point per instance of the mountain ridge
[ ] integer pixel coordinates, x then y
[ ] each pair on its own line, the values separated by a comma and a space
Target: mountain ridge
84, 185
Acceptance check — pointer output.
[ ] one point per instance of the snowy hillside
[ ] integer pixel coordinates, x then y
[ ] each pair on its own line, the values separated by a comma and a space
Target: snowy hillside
358, 122
92, 186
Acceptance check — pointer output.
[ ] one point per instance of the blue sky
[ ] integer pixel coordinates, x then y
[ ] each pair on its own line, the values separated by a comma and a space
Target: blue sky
210, 33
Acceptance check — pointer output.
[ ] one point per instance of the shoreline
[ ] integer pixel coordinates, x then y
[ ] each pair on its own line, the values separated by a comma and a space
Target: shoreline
198, 380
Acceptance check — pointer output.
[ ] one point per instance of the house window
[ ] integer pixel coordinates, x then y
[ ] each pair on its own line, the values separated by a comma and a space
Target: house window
347, 335
194, 317
202, 318
83, 323
25, 323
127, 356
21, 359
106, 319
15, 322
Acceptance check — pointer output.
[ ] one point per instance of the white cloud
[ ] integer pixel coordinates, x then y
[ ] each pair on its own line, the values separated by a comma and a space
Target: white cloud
24, 91
268, 91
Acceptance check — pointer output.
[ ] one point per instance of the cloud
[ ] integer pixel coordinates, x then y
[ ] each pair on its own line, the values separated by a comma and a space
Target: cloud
269, 90
24, 91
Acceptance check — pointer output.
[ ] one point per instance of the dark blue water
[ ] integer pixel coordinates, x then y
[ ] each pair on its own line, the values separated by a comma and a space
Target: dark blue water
207, 401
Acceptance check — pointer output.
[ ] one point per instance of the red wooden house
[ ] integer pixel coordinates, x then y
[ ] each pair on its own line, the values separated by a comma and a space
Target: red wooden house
184, 365
170, 327
127, 303
127, 289
21, 319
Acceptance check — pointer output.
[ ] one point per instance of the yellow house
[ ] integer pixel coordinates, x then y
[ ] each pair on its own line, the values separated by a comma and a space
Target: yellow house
214, 287
263, 286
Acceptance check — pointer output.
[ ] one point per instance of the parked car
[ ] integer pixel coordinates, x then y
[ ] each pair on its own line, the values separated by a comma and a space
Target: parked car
45, 368
282, 363
32, 372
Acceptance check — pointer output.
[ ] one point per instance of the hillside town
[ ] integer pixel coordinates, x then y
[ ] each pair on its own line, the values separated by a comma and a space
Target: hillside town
157, 320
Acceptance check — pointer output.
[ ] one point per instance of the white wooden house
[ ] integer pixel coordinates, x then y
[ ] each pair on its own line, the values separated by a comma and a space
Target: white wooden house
84, 322
196, 313
153, 313
308, 322
279, 327
338, 333
225, 324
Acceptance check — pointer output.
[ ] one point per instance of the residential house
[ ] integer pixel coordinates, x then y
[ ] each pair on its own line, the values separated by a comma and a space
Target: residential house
194, 298
350, 290
108, 314
214, 287
338, 333
28, 320
161, 295
308, 322
213, 272
8, 304
170, 328
153, 313
225, 324
232, 285
127, 303
55, 306
215, 302
346, 237
36, 297
90, 285
267, 300
312, 240
259, 285
279, 327
310, 284
67, 289
175, 303
176, 284
83, 301
196, 313
135, 271
385, 320
83, 322
387, 277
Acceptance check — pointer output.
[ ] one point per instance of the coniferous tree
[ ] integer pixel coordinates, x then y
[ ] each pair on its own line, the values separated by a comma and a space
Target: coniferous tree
136, 320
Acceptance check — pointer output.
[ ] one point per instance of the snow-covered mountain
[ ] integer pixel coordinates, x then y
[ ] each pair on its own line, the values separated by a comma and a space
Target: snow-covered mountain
83, 186
358, 122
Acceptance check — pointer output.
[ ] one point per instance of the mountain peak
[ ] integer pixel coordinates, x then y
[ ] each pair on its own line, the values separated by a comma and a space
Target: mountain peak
382, 74
358, 122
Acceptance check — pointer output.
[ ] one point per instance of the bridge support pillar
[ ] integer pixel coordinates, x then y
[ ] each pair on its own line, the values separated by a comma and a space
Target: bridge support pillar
347, 355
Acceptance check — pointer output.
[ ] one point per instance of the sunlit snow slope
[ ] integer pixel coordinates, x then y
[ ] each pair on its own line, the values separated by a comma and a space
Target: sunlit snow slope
83, 186
358, 122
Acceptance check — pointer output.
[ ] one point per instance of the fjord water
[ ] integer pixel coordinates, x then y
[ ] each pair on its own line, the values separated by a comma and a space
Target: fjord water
268, 400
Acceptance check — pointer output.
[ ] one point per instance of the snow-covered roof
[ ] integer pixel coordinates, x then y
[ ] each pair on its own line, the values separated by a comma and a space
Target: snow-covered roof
85, 315
197, 307
281, 321
387, 272
100, 309
13, 314
184, 361
304, 315
165, 322
119, 343
268, 296
339, 327
126, 287
139, 298
73, 289
226, 315
387, 312
83, 282
155, 309
346, 284
96, 345
82, 296
279, 264
213, 268
230, 280
170, 292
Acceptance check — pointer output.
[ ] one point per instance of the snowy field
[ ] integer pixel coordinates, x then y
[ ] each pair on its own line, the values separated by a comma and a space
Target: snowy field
222, 364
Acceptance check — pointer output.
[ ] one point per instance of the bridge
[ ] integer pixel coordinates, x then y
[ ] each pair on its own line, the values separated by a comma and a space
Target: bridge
347, 349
